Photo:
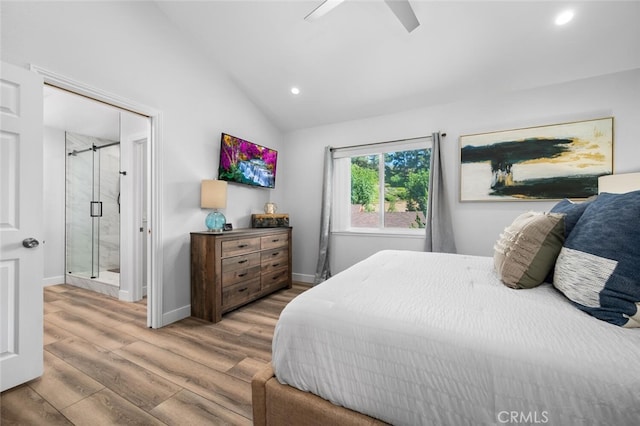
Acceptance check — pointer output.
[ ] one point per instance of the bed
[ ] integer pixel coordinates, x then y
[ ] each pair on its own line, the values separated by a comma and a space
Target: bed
429, 338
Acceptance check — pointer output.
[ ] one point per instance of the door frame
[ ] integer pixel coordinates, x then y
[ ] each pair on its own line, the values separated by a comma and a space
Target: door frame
154, 234
134, 226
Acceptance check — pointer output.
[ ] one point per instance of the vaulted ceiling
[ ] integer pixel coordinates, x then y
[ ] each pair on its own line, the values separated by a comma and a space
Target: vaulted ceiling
359, 61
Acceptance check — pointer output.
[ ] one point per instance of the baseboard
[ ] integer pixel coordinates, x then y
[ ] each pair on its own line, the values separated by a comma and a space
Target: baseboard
176, 315
303, 278
46, 282
125, 296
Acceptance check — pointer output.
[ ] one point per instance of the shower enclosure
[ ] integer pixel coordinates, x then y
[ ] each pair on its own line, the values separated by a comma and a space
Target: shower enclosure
93, 213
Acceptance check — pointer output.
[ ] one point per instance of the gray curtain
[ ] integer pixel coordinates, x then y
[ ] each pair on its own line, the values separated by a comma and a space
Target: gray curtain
439, 236
323, 269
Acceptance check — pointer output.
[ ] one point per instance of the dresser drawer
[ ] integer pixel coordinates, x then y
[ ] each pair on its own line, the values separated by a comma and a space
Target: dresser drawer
241, 262
274, 241
239, 275
274, 279
240, 293
240, 246
274, 259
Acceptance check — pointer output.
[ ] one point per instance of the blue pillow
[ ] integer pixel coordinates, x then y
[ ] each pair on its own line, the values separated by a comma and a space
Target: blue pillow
599, 266
572, 211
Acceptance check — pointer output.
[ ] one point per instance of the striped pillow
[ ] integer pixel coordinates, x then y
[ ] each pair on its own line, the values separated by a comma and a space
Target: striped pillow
527, 249
598, 267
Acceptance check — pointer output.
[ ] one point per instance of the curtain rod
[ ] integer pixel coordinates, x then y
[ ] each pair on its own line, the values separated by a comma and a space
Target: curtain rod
382, 143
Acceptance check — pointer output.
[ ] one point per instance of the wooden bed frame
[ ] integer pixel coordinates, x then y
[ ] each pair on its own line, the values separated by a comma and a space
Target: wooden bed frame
277, 404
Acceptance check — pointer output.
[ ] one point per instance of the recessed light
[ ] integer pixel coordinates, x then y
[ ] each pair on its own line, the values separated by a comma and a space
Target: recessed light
295, 90
564, 17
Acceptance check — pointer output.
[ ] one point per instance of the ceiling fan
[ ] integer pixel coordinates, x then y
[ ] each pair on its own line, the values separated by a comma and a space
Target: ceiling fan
401, 8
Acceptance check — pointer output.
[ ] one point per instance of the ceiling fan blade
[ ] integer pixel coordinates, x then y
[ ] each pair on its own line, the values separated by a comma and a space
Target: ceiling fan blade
322, 10
404, 12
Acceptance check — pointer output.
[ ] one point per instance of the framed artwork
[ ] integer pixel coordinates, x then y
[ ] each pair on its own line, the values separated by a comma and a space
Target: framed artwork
537, 163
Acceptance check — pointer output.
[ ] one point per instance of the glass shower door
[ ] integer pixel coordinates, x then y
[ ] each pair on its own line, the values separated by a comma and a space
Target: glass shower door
82, 227
92, 211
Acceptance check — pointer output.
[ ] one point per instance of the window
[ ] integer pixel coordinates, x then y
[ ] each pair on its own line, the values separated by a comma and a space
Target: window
382, 187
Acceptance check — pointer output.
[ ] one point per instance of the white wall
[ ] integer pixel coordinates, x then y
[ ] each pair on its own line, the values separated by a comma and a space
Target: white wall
476, 225
131, 50
54, 206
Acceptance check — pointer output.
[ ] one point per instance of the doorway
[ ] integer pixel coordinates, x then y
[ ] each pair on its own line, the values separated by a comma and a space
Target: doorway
106, 180
149, 236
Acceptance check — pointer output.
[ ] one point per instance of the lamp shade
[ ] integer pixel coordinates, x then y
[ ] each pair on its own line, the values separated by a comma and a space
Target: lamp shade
213, 194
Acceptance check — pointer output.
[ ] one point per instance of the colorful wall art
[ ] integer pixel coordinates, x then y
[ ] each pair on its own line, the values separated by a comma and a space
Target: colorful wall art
245, 162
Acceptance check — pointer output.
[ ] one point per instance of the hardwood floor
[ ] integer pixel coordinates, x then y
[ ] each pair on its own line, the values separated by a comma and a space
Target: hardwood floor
103, 366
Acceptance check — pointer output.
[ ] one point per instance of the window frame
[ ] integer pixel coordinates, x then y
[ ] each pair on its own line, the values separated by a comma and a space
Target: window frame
341, 202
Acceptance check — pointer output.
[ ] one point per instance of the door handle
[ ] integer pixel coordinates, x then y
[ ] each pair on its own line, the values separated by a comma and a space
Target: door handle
30, 243
96, 208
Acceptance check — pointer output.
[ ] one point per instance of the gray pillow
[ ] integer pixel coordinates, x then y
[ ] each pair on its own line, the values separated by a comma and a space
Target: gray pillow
527, 249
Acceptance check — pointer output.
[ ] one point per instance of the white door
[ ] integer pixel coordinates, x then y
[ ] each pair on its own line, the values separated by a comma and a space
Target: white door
21, 218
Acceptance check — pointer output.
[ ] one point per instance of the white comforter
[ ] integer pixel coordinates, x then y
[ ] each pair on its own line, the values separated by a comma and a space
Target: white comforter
426, 338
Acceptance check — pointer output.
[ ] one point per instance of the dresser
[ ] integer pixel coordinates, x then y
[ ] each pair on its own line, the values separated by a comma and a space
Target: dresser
231, 269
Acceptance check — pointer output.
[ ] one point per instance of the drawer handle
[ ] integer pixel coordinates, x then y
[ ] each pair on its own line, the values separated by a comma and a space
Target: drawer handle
243, 261
243, 289
275, 254
242, 245
275, 265
276, 240
242, 275
276, 277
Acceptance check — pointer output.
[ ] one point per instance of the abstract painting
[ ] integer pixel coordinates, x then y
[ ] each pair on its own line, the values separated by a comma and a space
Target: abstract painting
536, 163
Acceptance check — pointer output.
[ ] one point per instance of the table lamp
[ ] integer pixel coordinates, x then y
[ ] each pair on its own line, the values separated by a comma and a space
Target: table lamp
213, 195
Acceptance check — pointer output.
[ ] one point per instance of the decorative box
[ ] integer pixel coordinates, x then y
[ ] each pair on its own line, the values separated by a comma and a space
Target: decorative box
274, 220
